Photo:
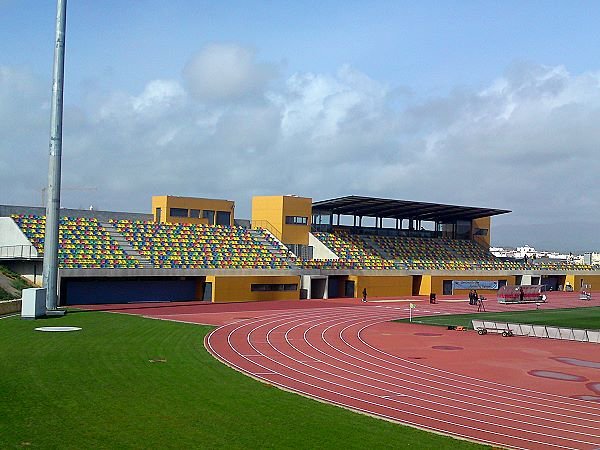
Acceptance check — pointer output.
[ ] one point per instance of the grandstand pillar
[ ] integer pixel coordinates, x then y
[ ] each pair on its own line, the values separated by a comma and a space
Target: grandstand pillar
50, 277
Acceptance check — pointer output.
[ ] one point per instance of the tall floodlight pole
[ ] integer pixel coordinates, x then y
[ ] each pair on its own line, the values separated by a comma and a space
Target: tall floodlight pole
50, 277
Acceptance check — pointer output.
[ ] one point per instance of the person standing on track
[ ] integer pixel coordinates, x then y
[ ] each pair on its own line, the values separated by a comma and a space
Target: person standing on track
364, 299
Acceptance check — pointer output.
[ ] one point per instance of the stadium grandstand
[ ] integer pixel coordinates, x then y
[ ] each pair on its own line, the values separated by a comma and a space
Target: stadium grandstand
292, 248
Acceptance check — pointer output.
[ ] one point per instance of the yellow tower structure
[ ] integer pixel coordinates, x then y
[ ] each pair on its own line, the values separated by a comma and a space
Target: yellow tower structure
285, 216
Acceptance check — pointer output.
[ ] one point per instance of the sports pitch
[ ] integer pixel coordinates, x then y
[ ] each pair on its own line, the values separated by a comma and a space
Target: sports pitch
582, 318
131, 382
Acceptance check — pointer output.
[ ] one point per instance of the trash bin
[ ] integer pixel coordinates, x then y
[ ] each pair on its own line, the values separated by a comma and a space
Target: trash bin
432, 298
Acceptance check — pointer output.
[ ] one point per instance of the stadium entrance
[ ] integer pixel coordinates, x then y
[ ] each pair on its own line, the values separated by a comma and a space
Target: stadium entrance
340, 286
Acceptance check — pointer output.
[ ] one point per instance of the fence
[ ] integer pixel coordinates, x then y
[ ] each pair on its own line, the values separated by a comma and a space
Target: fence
541, 331
18, 251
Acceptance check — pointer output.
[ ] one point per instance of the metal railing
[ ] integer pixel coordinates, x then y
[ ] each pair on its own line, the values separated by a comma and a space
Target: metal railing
541, 331
18, 251
267, 226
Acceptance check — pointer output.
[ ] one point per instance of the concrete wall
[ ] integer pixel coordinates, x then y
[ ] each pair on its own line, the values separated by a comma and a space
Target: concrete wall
238, 289
382, 286
11, 235
594, 280
482, 223
30, 269
320, 250
275, 208
10, 307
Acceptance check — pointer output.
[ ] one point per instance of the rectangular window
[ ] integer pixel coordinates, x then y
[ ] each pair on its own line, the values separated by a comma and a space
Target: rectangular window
273, 287
223, 218
195, 213
296, 220
178, 212
210, 215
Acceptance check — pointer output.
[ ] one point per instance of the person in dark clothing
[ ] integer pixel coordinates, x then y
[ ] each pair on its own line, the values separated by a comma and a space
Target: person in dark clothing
471, 298
364, 299
521, 294
475, 297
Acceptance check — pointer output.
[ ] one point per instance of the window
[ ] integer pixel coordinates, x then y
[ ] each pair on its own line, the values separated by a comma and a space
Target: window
296, 220
210, 215
273, 287
195, 213
223, 218
178, 212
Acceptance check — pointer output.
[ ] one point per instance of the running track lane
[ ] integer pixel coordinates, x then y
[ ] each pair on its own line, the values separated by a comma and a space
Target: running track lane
323, 354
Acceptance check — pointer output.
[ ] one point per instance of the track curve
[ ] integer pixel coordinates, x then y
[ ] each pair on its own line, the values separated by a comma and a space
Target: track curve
352, 357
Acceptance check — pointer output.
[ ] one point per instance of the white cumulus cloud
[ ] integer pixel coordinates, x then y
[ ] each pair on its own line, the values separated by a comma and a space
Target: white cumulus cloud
226, 73
527, 142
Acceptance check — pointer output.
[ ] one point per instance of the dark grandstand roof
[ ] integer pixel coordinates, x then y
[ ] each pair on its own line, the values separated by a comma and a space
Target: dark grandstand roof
401, 209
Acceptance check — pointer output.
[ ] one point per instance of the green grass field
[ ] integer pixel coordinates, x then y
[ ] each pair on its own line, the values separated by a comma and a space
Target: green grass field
97, 388
588, 318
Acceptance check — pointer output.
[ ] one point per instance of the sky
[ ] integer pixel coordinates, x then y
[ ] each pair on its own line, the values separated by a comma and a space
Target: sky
478, 103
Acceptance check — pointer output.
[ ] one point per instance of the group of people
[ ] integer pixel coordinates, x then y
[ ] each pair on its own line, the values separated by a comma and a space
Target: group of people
473, 297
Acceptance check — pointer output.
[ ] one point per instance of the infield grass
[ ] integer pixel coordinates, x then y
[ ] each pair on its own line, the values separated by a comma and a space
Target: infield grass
127, 382
583, 318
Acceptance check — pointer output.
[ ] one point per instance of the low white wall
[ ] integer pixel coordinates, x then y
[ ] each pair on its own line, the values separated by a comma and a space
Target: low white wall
320, 250
11, 234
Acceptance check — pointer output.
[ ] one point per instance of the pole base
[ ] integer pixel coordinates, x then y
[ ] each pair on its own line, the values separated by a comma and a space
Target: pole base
55, 312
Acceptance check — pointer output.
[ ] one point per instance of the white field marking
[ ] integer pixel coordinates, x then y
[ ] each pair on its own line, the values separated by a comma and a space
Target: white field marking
279, 362
305, 314
339, 403
302, 381
469, 383
487, 400
6, 317
216, 354
416, 390
469, 380
355, 408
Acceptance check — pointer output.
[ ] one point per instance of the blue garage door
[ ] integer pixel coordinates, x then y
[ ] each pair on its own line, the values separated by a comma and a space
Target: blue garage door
86, 291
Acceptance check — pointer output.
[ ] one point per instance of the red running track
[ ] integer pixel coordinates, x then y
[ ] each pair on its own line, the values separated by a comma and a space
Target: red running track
332, 354
482, 388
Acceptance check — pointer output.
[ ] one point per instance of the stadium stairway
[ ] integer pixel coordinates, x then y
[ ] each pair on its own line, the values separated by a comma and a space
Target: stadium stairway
279, 250
144, 262
380, 251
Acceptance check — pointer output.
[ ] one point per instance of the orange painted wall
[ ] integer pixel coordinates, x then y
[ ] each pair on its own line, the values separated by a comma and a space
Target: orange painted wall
238, 289
382, 286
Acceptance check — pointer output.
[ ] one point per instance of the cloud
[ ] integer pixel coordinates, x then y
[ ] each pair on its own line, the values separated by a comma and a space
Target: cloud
226, 73
527, 142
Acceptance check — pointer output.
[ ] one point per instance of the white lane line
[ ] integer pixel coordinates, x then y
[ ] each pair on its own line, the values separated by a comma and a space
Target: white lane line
321, 388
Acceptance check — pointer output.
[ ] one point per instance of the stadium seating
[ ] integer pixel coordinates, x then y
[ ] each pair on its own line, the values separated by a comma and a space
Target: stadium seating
412, 253
188, 246
82, 243
353, 252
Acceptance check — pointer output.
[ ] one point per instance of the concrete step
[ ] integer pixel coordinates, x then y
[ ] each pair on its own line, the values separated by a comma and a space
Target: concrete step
127, 248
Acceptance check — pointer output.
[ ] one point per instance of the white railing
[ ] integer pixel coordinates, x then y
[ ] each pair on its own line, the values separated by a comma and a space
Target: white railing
540, 331
18, 251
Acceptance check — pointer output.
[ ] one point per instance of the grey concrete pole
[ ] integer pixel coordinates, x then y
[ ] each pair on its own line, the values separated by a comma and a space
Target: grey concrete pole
50, 277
